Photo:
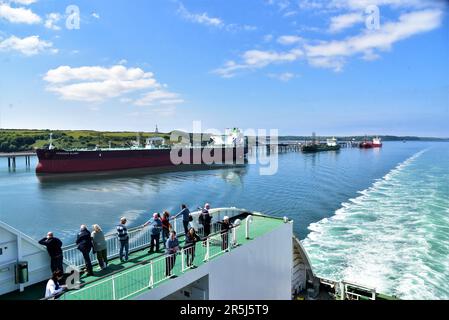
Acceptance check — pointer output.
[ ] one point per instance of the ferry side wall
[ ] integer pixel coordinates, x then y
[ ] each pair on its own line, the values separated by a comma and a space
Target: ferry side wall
258, 270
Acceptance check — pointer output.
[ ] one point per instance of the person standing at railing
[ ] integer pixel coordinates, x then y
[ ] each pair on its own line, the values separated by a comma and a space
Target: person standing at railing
53, 287
54, 250
190, 244
185, 212
205, 219
155, 231
84, 242
225, 227
166, 226
99, 244
122, 234
171, 249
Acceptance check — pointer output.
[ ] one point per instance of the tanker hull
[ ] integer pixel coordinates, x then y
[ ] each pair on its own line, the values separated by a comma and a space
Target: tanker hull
63, 161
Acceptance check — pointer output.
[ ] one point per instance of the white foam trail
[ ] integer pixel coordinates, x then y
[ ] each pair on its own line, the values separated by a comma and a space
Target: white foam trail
391, 237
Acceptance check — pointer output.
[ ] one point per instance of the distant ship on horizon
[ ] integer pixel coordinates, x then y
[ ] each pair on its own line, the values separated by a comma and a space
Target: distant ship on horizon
374, 143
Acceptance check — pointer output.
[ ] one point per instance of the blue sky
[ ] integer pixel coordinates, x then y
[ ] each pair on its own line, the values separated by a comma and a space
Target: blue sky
297, 66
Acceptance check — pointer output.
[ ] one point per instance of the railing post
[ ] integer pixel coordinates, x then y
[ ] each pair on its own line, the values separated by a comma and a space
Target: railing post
234, 236
206, 258
174, 226
249, 220
113, 288
151, 282
182, 260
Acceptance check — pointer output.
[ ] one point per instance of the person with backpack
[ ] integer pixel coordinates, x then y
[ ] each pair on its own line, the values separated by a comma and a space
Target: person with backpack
84, 242
122, 234
155, 231
54, 249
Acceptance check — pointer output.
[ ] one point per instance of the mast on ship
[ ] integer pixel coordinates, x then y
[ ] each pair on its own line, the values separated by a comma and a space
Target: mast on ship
51, 147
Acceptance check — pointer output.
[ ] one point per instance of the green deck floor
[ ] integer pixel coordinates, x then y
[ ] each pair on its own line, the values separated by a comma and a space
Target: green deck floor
135, 281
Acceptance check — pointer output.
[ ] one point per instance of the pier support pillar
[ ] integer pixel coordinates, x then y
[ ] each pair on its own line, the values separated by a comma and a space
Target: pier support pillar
9, 162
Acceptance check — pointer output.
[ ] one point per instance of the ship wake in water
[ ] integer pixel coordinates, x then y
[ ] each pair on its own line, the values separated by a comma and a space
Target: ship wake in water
395, 235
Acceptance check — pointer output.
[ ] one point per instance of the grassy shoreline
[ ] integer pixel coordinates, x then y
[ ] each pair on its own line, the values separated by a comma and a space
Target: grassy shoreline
16, 140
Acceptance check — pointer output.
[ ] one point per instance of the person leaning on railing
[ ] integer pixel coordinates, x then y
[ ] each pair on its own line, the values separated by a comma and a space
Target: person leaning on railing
122, 234
155, 231
166, 227
100, 247
186, 217
54, 250
84, 242
172, 248
205, 219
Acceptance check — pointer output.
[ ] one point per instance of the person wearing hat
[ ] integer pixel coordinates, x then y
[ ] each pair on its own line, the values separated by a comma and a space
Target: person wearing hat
155, 231
225, 227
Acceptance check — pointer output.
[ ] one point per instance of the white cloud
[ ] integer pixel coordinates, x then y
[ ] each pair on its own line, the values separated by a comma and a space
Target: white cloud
254, 59
52, 20
267, 38
289, 40
202, 18
95, 15
28, 46
97, 84
344, 21
18, 15
158, 97
285, 77
332, 53
23, 2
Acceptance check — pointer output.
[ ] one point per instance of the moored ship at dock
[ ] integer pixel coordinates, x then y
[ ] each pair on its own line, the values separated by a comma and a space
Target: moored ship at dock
330, 145
374, 143
222, 150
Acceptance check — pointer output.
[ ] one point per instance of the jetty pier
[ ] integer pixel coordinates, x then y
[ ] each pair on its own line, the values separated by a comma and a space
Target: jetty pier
12, 158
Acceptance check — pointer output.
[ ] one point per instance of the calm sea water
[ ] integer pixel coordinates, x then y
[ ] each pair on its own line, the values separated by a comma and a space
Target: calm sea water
379, 217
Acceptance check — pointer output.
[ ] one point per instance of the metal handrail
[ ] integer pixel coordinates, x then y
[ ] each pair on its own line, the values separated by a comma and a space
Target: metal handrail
147, 268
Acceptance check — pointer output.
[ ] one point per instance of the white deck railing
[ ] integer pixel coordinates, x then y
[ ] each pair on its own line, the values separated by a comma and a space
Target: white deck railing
146, 276
139, 237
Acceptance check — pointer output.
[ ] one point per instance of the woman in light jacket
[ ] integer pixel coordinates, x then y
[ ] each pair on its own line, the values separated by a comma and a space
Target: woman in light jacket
100, 247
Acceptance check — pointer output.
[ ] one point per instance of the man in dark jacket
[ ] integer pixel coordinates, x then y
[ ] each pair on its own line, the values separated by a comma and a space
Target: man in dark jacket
54, 246
84, 242
205, 219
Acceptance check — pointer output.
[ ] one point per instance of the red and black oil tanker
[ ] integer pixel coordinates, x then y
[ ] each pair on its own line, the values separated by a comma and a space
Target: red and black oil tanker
53, 160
